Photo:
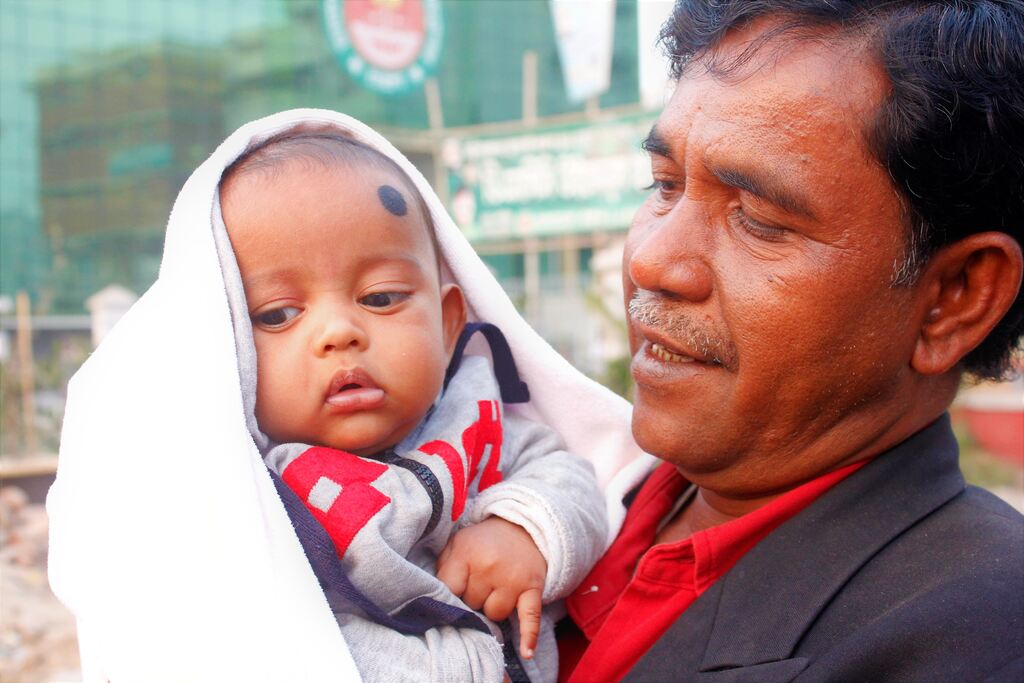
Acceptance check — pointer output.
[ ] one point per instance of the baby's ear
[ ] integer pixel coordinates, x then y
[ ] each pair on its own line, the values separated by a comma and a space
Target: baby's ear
453, 315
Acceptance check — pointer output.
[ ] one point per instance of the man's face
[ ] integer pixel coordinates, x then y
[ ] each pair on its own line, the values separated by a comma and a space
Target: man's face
767, 339
347, 313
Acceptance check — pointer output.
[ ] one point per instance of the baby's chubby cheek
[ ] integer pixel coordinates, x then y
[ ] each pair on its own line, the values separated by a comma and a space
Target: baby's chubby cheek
274, 411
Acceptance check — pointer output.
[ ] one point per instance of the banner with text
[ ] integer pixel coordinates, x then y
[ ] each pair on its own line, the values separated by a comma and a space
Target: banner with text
549, 181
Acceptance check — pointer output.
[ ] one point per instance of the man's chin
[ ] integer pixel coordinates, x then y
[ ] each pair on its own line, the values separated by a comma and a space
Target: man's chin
694, 445
659, 432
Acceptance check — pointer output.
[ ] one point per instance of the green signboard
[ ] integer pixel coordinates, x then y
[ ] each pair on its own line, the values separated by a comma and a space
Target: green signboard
549, 181
390, 46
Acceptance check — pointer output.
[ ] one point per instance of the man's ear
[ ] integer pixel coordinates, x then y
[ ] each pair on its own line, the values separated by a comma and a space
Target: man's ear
968, 287
453, 315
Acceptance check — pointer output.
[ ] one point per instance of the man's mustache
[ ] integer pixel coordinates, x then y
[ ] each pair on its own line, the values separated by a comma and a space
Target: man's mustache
659, 313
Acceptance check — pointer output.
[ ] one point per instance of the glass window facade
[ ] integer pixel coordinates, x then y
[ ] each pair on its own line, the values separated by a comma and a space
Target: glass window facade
106, 106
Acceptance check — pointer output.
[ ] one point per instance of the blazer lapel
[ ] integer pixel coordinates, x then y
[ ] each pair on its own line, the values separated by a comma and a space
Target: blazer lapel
752, 619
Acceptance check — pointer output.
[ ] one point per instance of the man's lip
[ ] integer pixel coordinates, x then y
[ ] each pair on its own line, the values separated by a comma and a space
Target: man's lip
653, 373
660, 352
653, 337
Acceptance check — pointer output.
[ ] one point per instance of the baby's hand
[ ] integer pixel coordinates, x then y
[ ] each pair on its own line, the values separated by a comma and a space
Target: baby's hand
494, 566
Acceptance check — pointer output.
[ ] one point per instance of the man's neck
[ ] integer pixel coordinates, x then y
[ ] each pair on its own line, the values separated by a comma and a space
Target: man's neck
707, 509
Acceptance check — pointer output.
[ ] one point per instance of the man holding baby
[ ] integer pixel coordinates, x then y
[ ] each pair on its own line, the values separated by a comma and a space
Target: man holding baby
832, 243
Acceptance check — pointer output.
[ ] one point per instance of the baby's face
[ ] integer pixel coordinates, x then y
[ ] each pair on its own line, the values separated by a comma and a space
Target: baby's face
353, 330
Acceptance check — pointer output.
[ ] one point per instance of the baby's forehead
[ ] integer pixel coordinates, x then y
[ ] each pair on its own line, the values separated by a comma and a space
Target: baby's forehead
365, 197
356, 171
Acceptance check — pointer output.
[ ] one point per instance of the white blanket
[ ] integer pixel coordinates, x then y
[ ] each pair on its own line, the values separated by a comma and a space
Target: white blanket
167, 539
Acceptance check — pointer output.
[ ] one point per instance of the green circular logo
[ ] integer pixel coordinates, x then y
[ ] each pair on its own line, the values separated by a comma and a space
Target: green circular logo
389, 46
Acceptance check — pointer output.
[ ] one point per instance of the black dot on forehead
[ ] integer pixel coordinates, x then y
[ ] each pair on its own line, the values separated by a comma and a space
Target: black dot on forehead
392, 200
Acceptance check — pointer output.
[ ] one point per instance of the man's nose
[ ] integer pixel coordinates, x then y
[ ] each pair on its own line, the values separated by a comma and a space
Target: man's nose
669, 254
338, 331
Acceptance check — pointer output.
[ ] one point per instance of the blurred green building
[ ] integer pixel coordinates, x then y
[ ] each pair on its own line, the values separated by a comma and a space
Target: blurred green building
106, 106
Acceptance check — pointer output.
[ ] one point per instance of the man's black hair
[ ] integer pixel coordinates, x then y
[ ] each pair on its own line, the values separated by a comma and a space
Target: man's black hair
951, 130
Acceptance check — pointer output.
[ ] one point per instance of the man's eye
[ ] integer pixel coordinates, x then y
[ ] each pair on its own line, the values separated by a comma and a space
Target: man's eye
768, 233
667, 189
276, 317
383, 299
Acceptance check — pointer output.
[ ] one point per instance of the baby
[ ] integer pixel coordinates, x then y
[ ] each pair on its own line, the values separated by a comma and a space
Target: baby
382, 431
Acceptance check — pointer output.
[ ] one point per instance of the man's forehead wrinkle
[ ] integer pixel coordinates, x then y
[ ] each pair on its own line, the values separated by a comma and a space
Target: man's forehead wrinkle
716, 139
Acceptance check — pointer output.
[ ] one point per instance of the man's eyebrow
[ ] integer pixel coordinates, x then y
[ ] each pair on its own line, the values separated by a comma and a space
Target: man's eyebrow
767, 187
655, 144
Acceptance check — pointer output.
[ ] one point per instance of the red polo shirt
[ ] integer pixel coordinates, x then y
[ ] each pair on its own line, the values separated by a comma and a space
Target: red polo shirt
636, 591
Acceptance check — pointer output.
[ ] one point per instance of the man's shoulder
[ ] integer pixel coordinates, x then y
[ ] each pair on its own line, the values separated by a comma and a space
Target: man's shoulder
981, 505
941, 601
899, 572
972, 545
974, 524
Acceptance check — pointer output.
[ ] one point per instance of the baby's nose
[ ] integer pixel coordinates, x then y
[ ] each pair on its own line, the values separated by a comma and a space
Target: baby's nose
340, 333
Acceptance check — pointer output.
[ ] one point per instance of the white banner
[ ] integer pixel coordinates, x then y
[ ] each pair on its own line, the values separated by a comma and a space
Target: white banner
584, 31
655, 84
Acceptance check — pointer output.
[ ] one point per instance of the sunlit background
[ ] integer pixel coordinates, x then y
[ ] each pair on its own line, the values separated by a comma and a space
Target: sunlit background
526, 116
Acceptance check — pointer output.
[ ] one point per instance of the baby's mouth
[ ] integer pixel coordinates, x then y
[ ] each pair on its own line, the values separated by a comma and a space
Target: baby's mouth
353, 390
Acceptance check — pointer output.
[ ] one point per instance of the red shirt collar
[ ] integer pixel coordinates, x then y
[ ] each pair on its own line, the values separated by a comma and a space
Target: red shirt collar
712, 551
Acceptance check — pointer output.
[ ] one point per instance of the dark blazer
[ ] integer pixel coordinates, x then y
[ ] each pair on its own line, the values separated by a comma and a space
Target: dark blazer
898, 573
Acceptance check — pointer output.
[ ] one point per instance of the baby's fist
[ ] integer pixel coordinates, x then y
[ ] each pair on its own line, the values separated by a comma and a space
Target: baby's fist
495, 567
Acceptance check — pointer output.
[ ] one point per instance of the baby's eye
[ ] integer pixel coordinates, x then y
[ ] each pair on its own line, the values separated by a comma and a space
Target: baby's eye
276, 317
383, 299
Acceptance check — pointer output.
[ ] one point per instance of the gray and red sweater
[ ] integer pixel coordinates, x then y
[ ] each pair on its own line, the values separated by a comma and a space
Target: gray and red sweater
373, 528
